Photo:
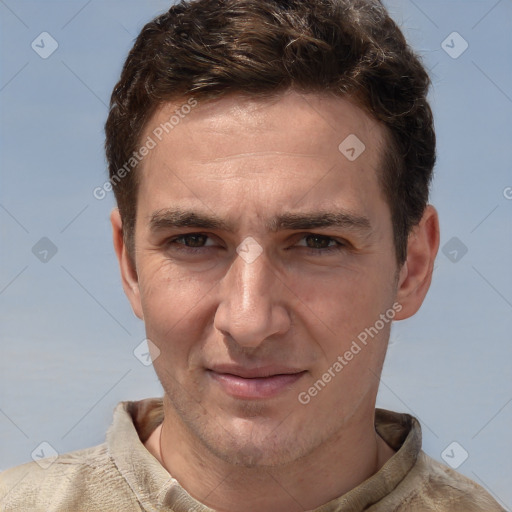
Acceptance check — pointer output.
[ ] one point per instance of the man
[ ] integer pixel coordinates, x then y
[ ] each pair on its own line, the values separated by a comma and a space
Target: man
271, 163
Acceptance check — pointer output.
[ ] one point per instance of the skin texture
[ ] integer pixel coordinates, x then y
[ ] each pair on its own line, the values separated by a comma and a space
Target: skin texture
294, 308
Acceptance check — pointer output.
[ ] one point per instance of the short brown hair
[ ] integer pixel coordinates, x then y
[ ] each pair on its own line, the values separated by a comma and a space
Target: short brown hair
207, 49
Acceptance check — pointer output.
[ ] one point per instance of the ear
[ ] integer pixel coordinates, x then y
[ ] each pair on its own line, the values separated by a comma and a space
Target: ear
416, 273
128, 271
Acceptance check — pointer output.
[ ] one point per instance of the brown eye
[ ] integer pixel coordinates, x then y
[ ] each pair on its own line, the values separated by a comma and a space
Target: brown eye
318, 241
192, 240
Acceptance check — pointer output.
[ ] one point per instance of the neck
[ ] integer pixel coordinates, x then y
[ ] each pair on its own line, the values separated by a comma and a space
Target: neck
331, 470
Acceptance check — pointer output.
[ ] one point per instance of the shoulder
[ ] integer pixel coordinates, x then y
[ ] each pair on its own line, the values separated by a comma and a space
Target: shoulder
432, 486
66, 483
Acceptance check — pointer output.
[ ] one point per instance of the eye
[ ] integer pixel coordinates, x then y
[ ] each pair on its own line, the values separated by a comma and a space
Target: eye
191, 240
320, 243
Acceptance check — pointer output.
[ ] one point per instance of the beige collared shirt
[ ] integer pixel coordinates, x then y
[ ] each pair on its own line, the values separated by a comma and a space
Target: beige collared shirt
121, 475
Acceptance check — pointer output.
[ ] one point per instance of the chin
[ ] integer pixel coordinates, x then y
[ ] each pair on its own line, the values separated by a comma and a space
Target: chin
252, 443
250, 454
251, 435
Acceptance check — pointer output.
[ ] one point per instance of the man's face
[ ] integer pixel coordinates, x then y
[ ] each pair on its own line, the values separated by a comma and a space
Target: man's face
262, 252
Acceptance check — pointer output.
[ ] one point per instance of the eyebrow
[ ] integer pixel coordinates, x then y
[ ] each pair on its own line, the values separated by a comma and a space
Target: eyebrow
180, 218
321, 219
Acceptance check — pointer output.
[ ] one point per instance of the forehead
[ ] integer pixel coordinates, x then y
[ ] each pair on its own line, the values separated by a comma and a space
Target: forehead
300, 113
278, 153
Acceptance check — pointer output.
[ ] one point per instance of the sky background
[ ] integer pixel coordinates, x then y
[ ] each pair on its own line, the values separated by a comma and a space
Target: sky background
68, 335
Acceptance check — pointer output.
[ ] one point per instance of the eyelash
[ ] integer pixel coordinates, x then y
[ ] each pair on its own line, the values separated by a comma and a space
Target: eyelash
326, 250
192, 250
317, 252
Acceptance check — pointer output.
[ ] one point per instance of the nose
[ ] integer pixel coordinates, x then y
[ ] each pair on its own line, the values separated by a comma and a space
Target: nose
251, 306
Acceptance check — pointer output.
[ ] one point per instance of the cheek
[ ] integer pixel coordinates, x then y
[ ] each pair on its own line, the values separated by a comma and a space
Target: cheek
332, 295
163, 285
172, 303
337, 307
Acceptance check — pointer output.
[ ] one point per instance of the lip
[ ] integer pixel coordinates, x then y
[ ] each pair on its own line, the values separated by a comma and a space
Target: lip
254, 383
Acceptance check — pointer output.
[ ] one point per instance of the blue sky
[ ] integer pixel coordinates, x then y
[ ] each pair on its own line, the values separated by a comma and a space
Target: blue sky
67, 332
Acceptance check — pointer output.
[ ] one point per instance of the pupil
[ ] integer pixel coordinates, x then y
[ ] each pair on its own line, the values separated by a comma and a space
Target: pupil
195, 240
318, 242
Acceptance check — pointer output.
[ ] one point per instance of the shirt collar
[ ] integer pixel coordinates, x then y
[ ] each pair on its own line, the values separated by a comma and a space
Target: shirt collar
153, 486
157, 490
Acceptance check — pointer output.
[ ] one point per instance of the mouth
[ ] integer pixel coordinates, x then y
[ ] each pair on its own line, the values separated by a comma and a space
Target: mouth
254, 383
